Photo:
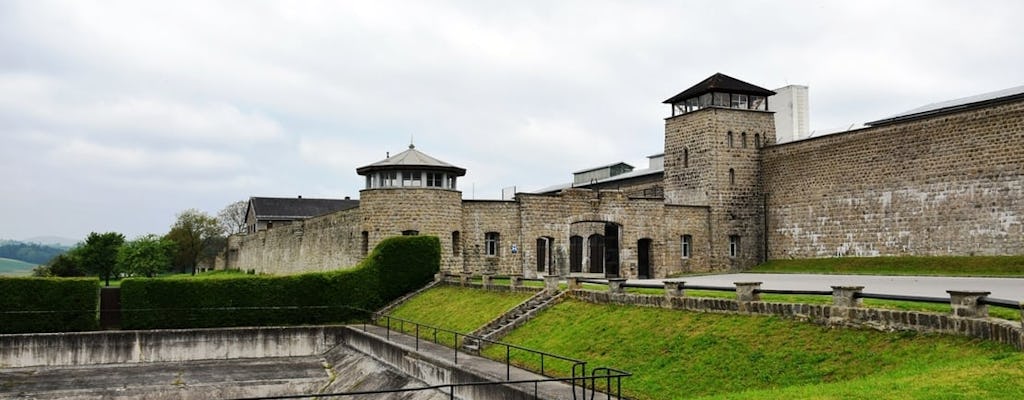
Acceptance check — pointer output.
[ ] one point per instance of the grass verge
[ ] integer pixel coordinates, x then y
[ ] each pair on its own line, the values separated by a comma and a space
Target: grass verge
1003, 266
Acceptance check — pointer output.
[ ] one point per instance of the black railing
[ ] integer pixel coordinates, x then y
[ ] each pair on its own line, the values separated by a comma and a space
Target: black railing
578, 369
609, 376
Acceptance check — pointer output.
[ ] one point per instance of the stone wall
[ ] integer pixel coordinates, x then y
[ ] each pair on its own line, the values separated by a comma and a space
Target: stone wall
387, 212
993, 329
946, 185
323, 243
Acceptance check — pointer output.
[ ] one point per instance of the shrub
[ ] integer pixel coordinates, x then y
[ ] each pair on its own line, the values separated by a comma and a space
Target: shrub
48, 304
396, 266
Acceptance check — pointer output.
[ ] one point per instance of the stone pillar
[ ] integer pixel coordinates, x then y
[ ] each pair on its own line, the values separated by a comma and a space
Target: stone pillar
615, 285
746, 291
464, 279
845, 296
488, 279
551, 283
515, 280
574, 283
965, 304
440, 276
674, 288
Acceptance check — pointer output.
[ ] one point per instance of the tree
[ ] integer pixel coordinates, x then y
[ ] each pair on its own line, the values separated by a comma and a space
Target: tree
196, 236
65, 265
232, 217
99, 254
145, 256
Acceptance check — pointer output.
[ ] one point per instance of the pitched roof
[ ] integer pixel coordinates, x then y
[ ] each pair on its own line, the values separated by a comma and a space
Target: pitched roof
981, 100
297, 208
719, 82
410, 158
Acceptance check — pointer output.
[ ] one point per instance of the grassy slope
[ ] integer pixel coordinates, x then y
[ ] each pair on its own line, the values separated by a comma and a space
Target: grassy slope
15, 267
456, 308
677, 354
944, 266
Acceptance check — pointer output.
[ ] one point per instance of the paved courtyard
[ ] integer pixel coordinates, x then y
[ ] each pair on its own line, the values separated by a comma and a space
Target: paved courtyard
933, 286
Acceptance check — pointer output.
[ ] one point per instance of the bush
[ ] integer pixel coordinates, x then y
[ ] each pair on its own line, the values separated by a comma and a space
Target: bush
396, 266
49, 304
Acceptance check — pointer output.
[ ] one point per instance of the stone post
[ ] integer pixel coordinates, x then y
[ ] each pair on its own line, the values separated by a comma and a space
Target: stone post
674, 288
846, 296
551, 283
574, 283
515, 280
440, 276
965, 304
488, 279
615, 285
464, 279
746, 291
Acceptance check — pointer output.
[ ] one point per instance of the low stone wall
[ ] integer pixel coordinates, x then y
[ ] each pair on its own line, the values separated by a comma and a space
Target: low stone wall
112, 347
993, 329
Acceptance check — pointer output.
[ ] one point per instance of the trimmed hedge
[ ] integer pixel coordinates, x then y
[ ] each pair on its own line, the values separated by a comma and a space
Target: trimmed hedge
396, 266
49, 304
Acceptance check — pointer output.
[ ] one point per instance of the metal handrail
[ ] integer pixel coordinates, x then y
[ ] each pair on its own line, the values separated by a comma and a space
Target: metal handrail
579, 367
900, 297
612, 373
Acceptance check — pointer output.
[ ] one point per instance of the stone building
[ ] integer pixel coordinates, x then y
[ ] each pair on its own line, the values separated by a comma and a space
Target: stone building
946, 179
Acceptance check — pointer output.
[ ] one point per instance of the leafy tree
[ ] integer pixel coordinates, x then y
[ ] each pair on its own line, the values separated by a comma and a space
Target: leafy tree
232, 217
99, 254
66, 265
145, 256
196, 236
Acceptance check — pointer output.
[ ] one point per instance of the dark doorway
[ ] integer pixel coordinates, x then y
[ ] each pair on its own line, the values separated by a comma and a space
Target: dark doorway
596, 253
643, 258
544, 255
576, 254
611, 250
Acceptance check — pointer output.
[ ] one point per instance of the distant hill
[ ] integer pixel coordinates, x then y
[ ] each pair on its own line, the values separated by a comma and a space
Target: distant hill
53, 240
32, 253
11, 267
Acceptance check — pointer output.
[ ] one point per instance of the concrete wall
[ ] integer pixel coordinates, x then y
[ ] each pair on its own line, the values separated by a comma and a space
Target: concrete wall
111, 347
948, 185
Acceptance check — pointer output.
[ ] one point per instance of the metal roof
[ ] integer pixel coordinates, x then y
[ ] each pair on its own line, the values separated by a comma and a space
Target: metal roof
981, 100
293, 208
719, 82
411, 158
603, 167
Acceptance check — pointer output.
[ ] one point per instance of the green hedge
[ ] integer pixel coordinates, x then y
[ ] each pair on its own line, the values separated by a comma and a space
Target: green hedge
396, 266
48, 304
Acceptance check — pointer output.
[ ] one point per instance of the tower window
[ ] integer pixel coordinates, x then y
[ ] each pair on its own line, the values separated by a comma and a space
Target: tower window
757, 141
734, 246
686, 158
491, 242
732, 177
743, 140
687, 244
366, 243
410, 232
455, 243
728, 137
435, 179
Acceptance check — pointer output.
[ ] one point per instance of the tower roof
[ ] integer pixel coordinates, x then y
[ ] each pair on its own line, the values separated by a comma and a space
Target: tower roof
719, 82
411, 159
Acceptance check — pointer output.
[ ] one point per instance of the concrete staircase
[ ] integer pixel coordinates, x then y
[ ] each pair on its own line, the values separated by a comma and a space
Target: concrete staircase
512, 319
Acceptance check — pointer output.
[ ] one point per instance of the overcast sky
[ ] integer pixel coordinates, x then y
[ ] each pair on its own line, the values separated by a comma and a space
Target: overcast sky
115, 116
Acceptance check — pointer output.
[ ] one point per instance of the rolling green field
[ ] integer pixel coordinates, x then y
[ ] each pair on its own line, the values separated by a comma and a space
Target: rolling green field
11, 267
682, 355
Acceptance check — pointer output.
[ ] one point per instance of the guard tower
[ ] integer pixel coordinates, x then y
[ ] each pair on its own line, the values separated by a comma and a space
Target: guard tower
412, 193
712, 159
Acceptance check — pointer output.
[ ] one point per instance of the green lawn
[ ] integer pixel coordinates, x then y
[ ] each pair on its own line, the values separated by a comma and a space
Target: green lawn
455, 308
12, 267
677, 354
1011, 266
